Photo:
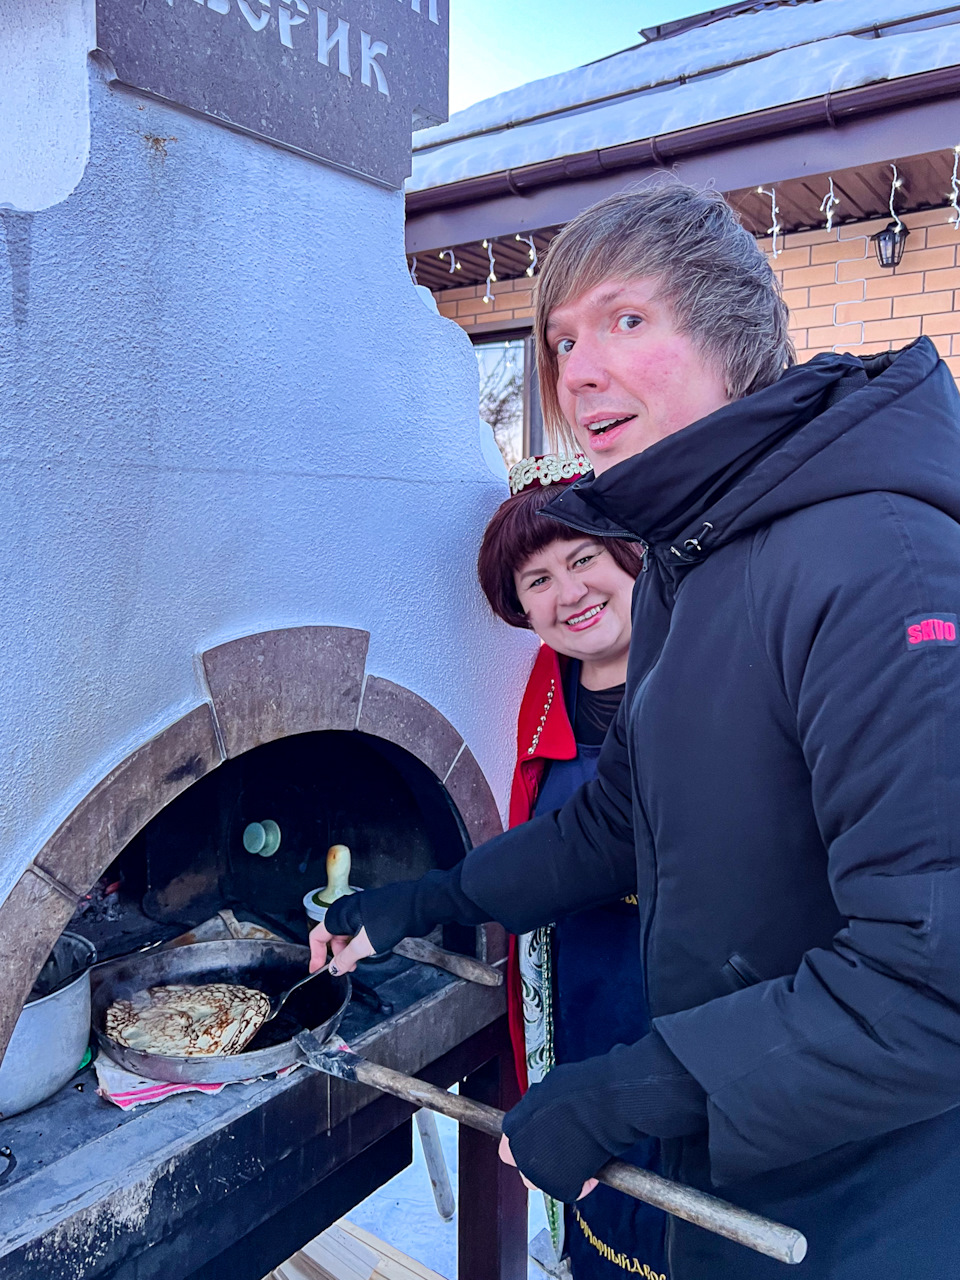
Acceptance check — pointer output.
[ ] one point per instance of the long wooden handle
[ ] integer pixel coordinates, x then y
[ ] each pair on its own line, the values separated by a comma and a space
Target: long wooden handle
461, 966
749, 1229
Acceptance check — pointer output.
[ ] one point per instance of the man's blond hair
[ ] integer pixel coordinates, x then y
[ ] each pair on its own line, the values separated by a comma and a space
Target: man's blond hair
712, 273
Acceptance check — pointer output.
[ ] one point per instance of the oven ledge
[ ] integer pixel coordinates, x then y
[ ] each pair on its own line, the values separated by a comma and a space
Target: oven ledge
93, 1208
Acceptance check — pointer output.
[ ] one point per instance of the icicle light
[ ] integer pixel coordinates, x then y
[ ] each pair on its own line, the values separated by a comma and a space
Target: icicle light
895, 184
454, 264
413, 270
891, 241
954, 192
775, 228
828, 206
532, 255
491, 278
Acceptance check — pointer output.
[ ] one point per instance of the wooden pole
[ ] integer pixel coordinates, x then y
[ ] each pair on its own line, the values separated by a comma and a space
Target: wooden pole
492, 1235
436, 1164
462, 966
772, 1239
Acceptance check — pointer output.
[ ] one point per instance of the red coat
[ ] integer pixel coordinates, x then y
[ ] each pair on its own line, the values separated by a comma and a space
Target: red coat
544, 733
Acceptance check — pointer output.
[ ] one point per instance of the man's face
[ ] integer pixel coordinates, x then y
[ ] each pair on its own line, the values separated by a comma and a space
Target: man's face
626, 376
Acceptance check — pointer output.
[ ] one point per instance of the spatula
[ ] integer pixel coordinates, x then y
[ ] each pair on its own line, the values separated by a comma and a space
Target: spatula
276, 1004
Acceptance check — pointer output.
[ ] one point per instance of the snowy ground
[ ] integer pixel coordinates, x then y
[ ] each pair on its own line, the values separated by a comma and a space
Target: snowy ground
403, 1214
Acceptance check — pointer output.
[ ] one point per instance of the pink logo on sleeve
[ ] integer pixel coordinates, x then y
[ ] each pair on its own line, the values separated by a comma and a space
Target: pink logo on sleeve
924, 630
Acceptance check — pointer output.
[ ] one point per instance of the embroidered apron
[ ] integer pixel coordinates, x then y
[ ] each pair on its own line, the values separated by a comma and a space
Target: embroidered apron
586, 995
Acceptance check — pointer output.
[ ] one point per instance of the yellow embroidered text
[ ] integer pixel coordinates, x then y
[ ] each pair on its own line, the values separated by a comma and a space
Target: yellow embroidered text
633, 1265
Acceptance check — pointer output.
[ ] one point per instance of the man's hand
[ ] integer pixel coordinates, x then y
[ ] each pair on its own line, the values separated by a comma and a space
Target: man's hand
345, 952
506, 1155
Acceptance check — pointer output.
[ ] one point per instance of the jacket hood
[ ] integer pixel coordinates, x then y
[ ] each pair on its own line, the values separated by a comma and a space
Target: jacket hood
836, 426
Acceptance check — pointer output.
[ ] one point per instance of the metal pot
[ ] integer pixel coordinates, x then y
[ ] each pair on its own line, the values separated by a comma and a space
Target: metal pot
271, 967
52, 1032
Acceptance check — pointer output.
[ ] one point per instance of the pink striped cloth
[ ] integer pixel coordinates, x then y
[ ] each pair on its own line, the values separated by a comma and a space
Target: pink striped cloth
126, 1091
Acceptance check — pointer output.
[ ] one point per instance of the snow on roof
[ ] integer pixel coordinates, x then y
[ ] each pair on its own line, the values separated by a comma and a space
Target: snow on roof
732, 67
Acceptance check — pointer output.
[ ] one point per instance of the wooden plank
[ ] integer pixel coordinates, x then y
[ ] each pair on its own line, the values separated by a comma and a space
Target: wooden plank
298, 1268
394, 1265
337, 1255
347, 1252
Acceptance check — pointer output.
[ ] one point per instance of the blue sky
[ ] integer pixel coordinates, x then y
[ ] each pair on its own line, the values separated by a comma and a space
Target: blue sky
498, 44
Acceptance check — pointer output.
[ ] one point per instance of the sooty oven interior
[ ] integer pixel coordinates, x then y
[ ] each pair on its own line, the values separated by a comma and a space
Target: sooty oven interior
214, 1185
320, 789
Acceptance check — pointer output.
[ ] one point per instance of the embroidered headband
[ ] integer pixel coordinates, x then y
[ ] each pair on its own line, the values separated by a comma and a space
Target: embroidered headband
549, 468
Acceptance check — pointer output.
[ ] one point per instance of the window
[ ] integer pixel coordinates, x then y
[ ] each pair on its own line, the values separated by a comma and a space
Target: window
509, 396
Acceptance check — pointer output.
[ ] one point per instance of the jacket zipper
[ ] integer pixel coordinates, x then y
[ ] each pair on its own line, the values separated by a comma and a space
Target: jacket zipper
645, 834
743, 970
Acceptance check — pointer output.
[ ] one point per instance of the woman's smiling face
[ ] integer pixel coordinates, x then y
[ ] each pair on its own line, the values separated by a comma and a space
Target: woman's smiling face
626, 376
577, 599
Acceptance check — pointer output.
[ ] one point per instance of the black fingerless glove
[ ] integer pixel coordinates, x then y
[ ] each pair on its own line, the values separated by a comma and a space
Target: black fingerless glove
408, 909
521, 879
583, 1113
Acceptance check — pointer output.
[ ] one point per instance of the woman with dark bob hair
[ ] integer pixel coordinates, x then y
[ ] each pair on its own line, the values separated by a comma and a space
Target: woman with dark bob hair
574, 986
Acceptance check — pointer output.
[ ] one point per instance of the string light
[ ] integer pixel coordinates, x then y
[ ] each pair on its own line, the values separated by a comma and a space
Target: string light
828, 206
895, 185
775, 228
454, 264
491, 278
413, 270
954, 192
532, 255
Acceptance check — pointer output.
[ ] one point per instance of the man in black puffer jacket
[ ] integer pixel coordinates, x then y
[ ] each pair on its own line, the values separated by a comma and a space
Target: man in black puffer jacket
782, 787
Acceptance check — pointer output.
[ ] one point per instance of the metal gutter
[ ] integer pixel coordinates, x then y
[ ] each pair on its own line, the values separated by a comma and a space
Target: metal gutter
832, 109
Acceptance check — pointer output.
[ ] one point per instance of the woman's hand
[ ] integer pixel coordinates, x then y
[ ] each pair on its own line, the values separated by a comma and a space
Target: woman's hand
345, 952
506, 1155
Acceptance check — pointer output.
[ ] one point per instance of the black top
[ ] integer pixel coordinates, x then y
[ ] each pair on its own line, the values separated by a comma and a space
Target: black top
594, 713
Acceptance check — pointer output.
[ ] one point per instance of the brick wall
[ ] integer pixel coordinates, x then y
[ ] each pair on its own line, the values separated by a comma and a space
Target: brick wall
838, 293
512, 300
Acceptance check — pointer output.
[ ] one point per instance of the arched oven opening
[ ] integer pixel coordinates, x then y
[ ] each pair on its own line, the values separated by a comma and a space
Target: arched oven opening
204, 852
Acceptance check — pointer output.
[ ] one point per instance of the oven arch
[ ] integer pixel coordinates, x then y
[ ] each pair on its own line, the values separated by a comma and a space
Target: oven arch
261, 687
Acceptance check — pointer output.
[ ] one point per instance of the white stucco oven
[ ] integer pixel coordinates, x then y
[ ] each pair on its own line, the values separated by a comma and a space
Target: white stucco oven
243, 477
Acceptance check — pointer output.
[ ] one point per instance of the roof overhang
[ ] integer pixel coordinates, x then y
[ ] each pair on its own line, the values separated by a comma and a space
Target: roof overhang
869, 125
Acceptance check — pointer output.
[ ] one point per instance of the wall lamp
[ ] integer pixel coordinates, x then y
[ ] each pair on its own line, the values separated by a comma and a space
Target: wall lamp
889, 244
